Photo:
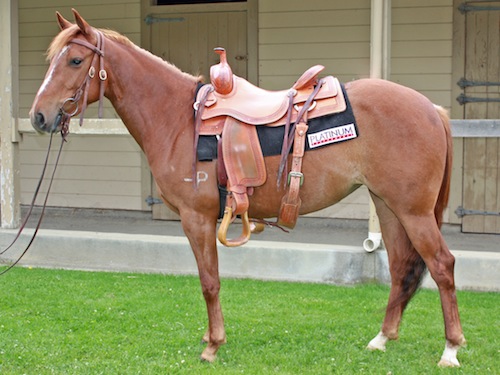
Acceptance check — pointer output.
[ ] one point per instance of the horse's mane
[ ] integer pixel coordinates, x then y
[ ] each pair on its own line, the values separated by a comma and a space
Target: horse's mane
63, 38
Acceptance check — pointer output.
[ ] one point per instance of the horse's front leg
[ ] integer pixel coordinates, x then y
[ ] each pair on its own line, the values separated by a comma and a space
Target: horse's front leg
201, 234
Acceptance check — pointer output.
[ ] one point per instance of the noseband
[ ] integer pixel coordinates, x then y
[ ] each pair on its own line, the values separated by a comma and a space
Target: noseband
84, 87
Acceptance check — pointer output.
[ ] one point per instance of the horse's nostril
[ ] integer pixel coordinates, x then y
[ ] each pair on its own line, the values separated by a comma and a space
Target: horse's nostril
39, 119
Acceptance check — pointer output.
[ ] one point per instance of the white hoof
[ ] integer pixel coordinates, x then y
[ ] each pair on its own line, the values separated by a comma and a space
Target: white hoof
449, 357
378, 343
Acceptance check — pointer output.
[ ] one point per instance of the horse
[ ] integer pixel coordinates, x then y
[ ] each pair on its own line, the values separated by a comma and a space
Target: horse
403, 155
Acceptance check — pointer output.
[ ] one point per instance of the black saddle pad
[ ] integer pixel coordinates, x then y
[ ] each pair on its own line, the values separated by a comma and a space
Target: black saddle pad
323, 131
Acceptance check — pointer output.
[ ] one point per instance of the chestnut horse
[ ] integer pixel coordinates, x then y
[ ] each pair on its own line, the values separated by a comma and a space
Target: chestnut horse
403, 155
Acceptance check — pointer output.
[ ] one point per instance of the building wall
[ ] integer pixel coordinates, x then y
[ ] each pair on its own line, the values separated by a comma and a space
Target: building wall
292, 36
422, 39
97, 171
296, 34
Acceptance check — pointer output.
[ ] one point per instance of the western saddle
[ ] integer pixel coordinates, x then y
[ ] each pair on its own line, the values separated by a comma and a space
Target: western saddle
231, 108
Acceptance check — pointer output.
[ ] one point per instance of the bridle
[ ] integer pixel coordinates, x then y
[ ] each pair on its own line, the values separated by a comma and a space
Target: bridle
83, 89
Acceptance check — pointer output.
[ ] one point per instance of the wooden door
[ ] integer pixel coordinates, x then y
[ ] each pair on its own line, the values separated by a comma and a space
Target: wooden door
481, 181
187, 40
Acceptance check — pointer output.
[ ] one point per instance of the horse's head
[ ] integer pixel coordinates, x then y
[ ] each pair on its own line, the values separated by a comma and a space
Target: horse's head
69, 83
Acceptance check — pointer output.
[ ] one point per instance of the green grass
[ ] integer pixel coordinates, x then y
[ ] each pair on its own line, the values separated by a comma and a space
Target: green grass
68, 322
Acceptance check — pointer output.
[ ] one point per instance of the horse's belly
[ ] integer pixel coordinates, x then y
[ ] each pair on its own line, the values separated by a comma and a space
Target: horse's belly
327, 180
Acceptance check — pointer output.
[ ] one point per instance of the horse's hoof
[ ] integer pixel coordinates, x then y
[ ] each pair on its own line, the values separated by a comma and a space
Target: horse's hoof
207, 357
374, 347
378, 343
449, 357
257, 228
444, 362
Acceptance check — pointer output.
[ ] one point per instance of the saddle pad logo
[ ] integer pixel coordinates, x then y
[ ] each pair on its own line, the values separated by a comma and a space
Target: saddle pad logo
333, 135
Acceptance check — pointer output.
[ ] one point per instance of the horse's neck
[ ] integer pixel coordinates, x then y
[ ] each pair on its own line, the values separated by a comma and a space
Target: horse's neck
153, 99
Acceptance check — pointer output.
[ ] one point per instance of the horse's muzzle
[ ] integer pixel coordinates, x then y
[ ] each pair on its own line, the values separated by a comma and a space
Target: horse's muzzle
39, 122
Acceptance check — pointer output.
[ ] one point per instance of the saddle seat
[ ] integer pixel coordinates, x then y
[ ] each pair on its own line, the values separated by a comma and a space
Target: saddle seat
253, 105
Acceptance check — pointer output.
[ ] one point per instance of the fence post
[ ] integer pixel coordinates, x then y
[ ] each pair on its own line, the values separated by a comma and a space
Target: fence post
9, 150
380, 66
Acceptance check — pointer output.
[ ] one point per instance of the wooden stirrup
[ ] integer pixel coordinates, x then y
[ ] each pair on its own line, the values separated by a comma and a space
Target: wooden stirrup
224, 225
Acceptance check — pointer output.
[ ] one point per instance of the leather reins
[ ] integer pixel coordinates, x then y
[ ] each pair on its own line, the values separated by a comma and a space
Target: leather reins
30, 210
65, 117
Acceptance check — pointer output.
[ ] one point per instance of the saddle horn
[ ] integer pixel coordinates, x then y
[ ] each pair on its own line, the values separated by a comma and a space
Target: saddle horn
221, 75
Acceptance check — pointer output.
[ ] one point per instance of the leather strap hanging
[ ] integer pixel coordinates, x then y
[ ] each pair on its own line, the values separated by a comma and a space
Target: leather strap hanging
290, 204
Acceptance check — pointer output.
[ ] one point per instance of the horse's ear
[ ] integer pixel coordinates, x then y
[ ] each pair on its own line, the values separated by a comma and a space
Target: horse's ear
63, 23
82, 24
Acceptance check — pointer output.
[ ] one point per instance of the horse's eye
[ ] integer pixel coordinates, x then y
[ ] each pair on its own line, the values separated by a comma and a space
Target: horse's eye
76, 61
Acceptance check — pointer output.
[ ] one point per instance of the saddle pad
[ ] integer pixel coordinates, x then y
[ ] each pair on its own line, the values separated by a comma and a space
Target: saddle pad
323, 131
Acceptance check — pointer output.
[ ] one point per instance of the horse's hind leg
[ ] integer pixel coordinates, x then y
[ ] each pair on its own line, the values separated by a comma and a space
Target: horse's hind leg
406, 268
428, 240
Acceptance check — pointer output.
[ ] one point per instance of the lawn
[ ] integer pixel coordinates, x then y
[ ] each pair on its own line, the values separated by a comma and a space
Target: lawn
70, 322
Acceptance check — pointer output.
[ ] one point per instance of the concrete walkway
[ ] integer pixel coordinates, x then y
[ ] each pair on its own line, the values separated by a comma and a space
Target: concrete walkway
318, 250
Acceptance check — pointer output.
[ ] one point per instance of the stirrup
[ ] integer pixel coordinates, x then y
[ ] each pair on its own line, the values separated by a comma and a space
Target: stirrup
224, 225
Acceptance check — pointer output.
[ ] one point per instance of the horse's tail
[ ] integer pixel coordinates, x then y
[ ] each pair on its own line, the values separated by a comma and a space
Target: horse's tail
444, 192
